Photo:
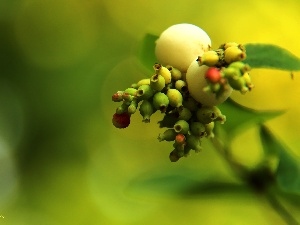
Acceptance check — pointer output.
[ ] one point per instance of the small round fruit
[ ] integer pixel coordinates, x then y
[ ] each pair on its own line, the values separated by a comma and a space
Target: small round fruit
180, 44
213, 75
195, 78
121, 120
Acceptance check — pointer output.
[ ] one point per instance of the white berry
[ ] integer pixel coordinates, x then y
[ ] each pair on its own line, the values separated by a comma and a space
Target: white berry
195, 78
181, 44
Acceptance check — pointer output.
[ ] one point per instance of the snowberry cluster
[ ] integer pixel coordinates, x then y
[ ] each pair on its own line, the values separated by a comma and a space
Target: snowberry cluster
187, 85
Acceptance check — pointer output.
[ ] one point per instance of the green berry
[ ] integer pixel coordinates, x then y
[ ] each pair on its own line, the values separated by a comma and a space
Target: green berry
144, 92
182, 127
160, 101
194, 142
122, 108
118, 96
175, 97
146, 110
207, 114
157, 82
132, 107
184, 114
163, 71
175, 73
197, 129
168, 135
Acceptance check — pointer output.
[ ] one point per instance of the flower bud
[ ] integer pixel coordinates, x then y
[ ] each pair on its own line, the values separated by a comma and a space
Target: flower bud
207, 114
161, 70
238, 84
182, 127
146, 110
209, 58
233, 54
184, 114
160, 101
157, 82
118, 96
181, 86
194, 142
197, 129
168, 135
175, 73
122, 108
229, 44
175, 97
209, 129
121, 120
144, 92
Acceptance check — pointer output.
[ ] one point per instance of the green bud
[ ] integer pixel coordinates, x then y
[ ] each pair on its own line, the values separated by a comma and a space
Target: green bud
161, 70
130, 91
175, 73
157, 82
194, 142
132, 107
168, 135
122, 108
207, 114
181, 86
233, 54
160, 101
209, 129
127, 97
229, 44
197, 129
242, 67
185, 114
175, 97
145, 81
182, 127
209, 58
144, 92
238, 84
231, 72
146, 110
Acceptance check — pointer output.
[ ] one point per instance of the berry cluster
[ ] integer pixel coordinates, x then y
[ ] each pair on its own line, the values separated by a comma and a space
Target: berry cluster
188, 93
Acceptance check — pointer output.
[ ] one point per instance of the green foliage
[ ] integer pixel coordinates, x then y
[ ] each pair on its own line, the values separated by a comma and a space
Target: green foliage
238, 116
271, 56
146, 53
288, 170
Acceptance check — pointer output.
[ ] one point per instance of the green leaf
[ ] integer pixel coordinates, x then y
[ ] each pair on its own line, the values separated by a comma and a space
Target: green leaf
238, 116
288, 170
271, 56
146, 53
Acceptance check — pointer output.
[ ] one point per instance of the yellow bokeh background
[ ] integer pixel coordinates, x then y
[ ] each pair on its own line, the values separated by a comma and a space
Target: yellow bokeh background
62, 161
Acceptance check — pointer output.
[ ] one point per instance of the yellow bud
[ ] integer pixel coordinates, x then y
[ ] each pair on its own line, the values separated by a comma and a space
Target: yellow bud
233, 54
175, 73
161, 70
175, 97
209, 58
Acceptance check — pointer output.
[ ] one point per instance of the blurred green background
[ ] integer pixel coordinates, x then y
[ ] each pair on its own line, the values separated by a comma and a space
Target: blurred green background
62, 161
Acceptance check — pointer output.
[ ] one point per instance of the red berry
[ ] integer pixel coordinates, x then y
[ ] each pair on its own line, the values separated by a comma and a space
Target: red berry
213, 75
121, 120
180, 139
